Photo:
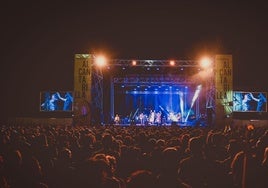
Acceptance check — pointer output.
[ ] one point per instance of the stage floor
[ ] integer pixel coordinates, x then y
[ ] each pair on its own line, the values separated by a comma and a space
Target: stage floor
179, 124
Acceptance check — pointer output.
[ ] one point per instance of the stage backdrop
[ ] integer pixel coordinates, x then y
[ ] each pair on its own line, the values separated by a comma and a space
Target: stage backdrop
223, 88
82, 87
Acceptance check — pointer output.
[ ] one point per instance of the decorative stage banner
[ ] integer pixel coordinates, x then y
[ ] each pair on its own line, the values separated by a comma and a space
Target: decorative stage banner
223, 88
82, 87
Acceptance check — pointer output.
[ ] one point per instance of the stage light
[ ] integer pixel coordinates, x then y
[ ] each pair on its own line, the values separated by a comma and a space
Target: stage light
100, 61
134, 63
196, 94
205, 62
172, 63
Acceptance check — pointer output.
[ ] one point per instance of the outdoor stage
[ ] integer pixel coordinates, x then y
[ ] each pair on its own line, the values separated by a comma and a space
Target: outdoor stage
196, 123
132, 89
154, 94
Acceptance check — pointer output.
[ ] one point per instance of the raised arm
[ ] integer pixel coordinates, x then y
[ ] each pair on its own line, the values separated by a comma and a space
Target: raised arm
61, 98
255, 99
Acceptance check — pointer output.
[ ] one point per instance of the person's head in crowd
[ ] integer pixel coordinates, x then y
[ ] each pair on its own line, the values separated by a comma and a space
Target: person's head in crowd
99, 156
15, 158
112, 162
150, 144
265, 158
42, 140
140, 179
160, 143
128, 140
233, 147
88, 140
170, 158
107, 140
65, 155
184, 140
196, 145
218, 139
96, 173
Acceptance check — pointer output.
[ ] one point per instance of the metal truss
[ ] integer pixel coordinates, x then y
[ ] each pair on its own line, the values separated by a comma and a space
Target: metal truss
153, 79
210, 95
97, 89
154, 63
211, 90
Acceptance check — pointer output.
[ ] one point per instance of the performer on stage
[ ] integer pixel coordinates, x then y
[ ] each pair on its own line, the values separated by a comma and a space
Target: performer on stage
142, 118
261, 100
152, 117
172, 117
158, 118
246, 102
117, 119
179, 117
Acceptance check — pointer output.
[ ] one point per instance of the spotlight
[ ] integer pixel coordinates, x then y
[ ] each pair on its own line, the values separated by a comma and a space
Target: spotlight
196, 94
134, 63
205, 62
100, 61
172, 63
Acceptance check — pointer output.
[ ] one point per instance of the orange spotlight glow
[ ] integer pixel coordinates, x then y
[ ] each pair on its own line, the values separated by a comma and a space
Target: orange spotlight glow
250, 127
100, 61
172, 63
205, 62
134, 62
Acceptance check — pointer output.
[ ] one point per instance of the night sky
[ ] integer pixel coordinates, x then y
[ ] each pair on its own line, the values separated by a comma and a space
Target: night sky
39, 40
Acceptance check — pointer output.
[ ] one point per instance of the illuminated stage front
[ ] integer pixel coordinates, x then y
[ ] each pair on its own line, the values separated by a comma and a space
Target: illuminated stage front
142, 92
159, 97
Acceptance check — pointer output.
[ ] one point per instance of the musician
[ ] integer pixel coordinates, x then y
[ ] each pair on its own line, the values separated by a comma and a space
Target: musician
152, 117
142, 118
116, 119
261, 100
158, 118
179, 117
246, 102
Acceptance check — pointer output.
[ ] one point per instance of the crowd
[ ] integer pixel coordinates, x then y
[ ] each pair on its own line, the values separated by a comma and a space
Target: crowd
133, 157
